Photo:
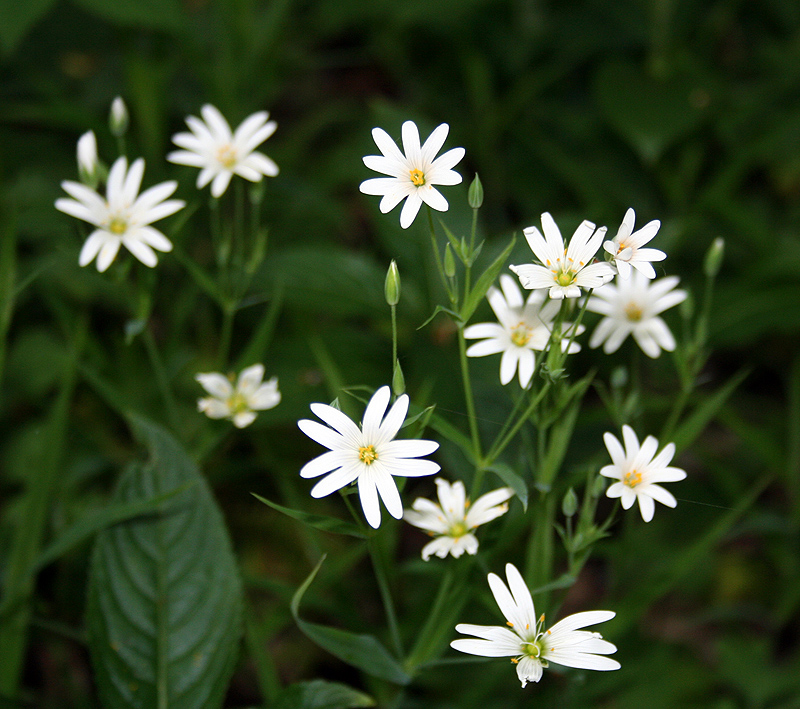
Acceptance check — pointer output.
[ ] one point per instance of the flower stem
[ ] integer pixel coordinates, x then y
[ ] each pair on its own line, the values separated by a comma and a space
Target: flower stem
228, 312
386, 595
394, 337
470, 402
161, 378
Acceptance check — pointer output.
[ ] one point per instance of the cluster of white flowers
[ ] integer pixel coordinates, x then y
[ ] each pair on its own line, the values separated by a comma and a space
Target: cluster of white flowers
238, 402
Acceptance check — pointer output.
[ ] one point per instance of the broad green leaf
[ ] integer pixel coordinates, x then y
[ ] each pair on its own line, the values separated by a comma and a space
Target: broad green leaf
482, 285
693, 426
320, 694
17, 18
362, 651
108, 516
514, 481
164, 610
326, 524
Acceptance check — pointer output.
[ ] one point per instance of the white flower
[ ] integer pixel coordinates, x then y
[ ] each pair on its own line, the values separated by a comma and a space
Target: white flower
122, 218
367, 454
565, 270
414, 174
637, 472
221, 154
454, 518
87, 158
523, 327
632, 306
626, 248
529, 645
238, 403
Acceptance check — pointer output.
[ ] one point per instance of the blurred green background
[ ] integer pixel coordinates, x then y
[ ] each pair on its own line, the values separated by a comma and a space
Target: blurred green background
687, 111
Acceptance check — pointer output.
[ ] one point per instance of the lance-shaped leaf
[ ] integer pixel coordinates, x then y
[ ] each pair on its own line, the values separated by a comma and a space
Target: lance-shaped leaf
164, 611
358, 650
485, 281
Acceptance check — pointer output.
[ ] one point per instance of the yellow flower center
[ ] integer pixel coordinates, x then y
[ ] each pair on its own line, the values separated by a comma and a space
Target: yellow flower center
417, 177
632, 478
521, 335
565, 278
633, 312
533, 650
237, 403
118, 226
621, 247
367, 454
459, 529
226, 156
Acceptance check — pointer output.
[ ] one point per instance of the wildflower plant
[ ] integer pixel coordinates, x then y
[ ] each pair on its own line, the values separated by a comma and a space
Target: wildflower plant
517, 467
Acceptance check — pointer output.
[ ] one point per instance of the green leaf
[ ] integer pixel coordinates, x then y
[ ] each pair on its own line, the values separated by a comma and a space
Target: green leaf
326, 524
319, 694
482, 285
17, 18
514, 481
164, 611
441, 309
362, 651
693, 426
108, 516
452, 434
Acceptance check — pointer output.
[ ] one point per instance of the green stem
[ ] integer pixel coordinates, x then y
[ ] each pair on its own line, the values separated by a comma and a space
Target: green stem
394, 337
162, 379
226, 334
499, 445
386, 595
470, 402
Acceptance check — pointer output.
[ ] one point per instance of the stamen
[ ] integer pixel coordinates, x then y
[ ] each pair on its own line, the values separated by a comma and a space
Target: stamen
417, 177
226, 156
633, 312
632, 478
118, 226
367, 454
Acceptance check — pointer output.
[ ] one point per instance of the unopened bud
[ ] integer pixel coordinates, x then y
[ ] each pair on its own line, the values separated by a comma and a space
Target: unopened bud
391, 287
398, 380
87, 159
713, 259
619, 377
598, 486
475, 193
569, 505
118, 118
449, 261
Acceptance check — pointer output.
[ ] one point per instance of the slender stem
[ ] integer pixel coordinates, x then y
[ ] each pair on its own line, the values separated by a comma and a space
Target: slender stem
161, 378
386, 595
470, 402
500, 446
228, 312
394, 337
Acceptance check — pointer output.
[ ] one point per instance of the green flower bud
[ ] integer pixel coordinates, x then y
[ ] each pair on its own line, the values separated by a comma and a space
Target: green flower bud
398, 380
569, 505
713, 260
598, 486
118, 118
391, 287
619, 377
449, 261
475, 193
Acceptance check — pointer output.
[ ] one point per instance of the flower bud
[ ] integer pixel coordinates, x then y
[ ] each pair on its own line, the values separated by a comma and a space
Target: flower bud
569, 505
118, 118
598, 486
87, 159
398, 380
713, 260
475, 193
391, 287
449, 261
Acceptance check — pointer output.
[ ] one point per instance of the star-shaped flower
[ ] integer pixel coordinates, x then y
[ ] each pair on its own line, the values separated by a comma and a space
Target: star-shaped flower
123, 217
238, 403
369, 454
524, 326
413, 175
637, 472
632, 306
626, 248
565, 270
531, 647
221, 154
453, 519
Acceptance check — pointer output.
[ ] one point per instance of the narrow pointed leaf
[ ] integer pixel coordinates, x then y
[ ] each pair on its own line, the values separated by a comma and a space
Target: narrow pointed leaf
514, 481
164, 611
323, 522
362, 651
483, 284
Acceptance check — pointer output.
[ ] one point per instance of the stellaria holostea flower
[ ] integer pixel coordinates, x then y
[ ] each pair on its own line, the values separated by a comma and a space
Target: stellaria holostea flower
240, 402
531, 647
123, 217
637, 472
221, 154
369, 454
626, 248
632, 306
453, 519
524, 326
413, 174
564, 270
